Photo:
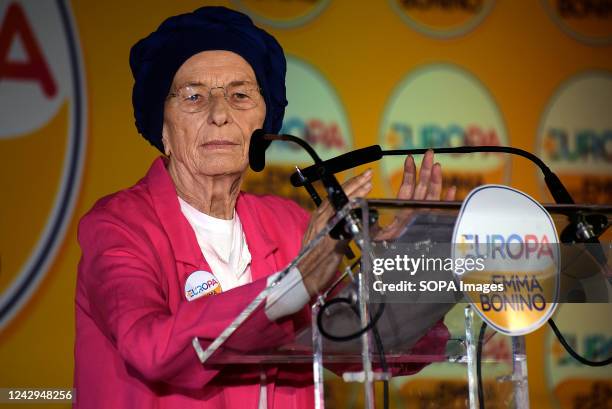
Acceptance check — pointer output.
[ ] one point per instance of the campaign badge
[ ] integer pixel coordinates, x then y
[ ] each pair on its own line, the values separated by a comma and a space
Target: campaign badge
201, 283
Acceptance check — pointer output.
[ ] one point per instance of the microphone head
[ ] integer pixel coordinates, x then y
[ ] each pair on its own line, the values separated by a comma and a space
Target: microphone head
257, 150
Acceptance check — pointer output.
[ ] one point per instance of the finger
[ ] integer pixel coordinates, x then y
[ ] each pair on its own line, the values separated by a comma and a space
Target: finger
361, 191
406, 189
356, 182
323, 208
435, 183
424, 176
321, 215
450, 193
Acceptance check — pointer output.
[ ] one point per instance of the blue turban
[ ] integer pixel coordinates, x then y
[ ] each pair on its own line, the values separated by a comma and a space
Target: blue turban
155, 59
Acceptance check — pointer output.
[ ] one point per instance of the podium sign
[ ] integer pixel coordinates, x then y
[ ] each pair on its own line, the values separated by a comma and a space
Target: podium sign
514, 248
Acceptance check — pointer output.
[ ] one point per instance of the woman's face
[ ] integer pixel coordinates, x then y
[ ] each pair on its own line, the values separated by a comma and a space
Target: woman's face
215, 140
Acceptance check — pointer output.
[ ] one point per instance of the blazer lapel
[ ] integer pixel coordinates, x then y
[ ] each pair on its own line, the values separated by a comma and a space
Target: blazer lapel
165, 201
262, 248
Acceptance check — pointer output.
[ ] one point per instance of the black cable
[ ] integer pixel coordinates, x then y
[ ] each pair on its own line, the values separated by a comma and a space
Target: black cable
344, 338
573, 353
483, 329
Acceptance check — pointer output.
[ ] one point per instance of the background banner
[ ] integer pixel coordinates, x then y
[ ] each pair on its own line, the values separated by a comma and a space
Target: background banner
536, 75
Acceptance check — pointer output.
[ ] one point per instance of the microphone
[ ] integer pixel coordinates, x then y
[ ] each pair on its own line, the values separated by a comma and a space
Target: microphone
340, 163
257, 150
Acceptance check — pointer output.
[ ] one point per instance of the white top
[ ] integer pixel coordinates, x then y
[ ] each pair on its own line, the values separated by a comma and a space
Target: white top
224, 247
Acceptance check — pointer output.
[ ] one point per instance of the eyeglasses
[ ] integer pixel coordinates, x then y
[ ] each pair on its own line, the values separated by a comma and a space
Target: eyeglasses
196, 98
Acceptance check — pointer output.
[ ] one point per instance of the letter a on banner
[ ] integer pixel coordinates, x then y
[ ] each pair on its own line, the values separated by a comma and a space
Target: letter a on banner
14, 28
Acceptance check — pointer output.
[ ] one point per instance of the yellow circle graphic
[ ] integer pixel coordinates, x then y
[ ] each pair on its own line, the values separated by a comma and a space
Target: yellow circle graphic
442, 106
587, 21
282, 13
442, 19
575, 136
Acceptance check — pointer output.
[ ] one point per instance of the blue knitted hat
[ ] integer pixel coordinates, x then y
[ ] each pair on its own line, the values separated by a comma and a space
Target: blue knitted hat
155, 60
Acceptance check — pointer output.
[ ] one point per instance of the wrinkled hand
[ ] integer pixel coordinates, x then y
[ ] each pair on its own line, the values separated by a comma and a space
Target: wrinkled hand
319, 266
429, 187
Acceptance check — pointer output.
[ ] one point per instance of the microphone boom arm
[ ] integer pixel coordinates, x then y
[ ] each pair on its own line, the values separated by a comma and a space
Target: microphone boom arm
374, 153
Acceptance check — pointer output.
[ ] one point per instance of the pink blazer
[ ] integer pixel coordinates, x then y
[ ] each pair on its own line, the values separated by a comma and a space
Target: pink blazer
134, 325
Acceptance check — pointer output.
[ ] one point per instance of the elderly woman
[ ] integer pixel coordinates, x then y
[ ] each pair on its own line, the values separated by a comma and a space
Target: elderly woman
183, 251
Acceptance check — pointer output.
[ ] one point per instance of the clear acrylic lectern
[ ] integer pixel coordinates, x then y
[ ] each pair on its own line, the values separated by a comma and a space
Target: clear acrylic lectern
405, 330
